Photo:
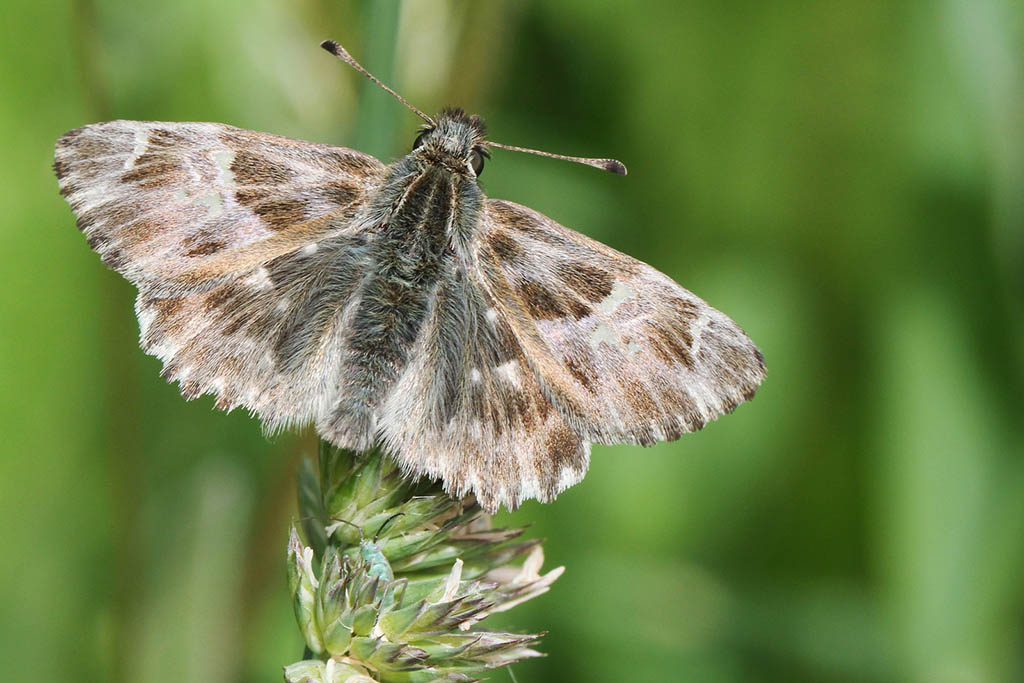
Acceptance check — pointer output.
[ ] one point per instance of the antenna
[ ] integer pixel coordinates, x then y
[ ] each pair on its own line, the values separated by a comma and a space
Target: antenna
341, 53
611, 165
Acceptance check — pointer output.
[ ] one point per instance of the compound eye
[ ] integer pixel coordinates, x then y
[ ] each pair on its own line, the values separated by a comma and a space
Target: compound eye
476, 160
419, 139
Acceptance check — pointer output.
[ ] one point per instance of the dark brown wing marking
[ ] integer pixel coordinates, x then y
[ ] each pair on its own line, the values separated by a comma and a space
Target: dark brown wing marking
175, 207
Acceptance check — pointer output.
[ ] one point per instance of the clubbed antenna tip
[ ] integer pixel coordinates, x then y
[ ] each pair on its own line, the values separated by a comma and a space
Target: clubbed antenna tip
611, 165
615, 166
341, 53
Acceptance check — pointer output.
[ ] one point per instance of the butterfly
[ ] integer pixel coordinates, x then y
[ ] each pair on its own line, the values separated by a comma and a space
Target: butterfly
480, 342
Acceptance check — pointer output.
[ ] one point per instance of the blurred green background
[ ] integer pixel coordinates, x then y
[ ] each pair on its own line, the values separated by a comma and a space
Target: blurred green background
846, 180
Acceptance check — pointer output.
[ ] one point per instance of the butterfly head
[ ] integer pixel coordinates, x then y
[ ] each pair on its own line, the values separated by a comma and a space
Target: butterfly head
454, 142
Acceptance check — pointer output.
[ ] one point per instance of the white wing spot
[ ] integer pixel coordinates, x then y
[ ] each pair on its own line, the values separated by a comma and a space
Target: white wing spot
223, 158
145, 314
166, 349
141, 143
602, 333
492, 315
509, 372
620, 292
259, 280
213, 203
701, 324
309, 249
571, 475
89, 198
475, 375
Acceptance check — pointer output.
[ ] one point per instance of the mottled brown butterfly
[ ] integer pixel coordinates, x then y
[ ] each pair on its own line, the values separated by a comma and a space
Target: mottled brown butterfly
477, 340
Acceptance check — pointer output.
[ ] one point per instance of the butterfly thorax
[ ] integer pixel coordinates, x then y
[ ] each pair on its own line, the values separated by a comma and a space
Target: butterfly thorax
424, 215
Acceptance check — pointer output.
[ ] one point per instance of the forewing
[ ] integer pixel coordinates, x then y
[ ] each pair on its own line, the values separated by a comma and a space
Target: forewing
177, 207
623, 352
469, 410
247, 249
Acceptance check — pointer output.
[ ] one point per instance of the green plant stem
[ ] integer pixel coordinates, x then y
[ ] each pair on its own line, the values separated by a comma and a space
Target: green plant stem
395, 576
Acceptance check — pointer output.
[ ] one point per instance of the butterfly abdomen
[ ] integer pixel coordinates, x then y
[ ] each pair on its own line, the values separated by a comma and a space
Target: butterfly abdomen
408, 260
